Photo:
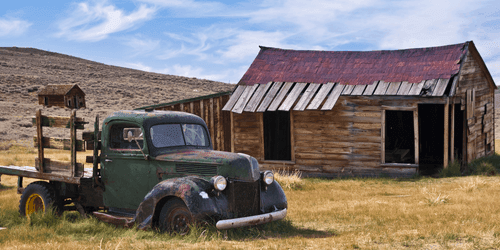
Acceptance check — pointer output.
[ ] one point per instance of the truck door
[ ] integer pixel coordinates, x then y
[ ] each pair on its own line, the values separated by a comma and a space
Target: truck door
125, 172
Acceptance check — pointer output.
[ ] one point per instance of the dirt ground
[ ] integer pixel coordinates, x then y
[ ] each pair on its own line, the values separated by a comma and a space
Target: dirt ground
24, 71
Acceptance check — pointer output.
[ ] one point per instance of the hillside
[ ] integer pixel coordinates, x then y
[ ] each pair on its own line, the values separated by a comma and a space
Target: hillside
23, 71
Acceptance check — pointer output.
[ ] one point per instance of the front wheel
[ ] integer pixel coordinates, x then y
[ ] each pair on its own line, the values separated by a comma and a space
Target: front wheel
38, 196
175, 217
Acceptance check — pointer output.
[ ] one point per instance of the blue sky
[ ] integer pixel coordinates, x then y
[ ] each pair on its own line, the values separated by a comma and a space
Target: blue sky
218, 40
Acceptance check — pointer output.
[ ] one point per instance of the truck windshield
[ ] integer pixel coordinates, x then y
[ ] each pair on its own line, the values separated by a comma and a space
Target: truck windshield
171, 135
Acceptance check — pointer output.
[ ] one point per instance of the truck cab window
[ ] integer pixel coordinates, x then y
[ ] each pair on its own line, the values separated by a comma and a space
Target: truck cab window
126, 136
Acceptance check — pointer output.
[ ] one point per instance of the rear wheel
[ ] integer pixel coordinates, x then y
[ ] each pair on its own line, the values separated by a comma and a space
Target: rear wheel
175, 217
38, 196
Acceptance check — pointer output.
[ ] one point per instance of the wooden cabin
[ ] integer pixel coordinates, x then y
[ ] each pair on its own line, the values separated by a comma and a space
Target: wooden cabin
208, 107
70, 96
370, 113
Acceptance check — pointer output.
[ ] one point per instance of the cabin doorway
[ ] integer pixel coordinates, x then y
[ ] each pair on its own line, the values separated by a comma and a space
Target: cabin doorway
431, 138
399, 137
277, 144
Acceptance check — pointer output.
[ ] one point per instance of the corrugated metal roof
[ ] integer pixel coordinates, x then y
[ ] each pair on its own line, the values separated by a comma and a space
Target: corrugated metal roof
316, 79
354, 67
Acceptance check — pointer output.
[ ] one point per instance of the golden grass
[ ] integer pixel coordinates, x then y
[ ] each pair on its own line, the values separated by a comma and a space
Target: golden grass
425, 213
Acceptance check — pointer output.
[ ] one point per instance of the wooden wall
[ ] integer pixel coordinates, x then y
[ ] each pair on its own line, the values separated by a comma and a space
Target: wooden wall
54, 100
478, 96
210, 109
346, 141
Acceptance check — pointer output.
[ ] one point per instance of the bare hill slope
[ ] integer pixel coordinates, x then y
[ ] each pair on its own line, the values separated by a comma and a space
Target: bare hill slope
23, 71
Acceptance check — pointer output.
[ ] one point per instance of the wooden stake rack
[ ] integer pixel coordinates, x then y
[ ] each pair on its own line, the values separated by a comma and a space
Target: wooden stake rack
45, 165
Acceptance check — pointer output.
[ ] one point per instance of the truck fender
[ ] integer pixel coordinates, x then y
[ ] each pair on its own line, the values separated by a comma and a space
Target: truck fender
273, 198
191, 190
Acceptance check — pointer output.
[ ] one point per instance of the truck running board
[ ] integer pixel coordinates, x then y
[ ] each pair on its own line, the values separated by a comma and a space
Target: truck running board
117, 220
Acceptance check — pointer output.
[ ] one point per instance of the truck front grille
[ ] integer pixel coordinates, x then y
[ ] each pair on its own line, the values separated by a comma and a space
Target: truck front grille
243, 198
196, 169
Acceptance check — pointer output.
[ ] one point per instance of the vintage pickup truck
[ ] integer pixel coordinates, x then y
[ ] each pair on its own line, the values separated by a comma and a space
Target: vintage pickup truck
152, 169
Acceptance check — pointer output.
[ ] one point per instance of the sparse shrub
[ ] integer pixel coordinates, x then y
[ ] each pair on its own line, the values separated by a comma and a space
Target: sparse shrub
485, 168
452, 170
471, 185
289, 179
432, 197
5, 145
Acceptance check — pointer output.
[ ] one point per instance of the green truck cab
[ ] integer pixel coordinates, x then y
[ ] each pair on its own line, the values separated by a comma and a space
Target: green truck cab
158, 169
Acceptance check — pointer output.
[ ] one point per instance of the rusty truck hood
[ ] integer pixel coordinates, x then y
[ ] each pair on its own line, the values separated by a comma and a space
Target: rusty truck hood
231, 165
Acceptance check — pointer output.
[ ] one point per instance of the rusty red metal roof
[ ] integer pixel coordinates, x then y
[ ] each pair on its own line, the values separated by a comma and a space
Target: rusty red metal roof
354, 67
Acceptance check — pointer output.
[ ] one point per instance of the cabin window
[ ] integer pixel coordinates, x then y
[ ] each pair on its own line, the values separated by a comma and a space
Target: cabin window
399, 137
46, 101
277, 136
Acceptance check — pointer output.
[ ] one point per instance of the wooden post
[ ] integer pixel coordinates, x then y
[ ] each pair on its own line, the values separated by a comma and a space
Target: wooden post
452, 133
446, 126
292, 137
415, 132
262, 152
191, 107
232, 130
202, 110
212, 121
219, 124
72, 129
40, 139
382, 143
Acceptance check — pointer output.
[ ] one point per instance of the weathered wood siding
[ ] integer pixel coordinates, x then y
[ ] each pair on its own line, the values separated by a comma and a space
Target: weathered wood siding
53, 100
479, 124
210, 109
344, 141
248, 134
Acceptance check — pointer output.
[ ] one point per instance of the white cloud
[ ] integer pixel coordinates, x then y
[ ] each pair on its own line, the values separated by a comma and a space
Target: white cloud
142, 46
95, 22
13, 27
138, 66
190, 8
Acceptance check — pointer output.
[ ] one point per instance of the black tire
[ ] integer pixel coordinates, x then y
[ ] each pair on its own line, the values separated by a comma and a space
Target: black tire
39, 196
175, 217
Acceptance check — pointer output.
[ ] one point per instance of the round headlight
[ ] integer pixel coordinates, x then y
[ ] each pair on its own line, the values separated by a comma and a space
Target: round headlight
219, 182
268, 177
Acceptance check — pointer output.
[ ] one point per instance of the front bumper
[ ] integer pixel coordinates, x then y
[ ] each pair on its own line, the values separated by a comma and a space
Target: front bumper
251, 220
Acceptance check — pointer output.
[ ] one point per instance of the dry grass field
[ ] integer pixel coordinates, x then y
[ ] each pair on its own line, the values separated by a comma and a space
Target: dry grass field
384, 213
